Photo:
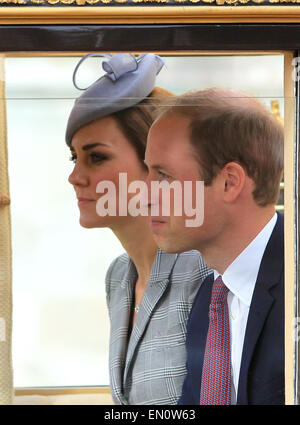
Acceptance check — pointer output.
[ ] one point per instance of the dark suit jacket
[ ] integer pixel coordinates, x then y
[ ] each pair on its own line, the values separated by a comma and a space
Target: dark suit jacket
261, 379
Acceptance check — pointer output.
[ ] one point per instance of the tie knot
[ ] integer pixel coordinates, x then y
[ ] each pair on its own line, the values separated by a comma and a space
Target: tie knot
219, 291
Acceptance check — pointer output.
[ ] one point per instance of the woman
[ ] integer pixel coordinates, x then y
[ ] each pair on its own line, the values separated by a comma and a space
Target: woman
149, 292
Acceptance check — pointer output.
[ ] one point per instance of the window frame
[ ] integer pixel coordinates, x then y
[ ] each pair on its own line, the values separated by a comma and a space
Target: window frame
208, 30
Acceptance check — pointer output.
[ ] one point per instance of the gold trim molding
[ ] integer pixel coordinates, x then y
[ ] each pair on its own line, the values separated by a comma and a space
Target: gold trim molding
49, 391
104, 2
149, 14
4, 200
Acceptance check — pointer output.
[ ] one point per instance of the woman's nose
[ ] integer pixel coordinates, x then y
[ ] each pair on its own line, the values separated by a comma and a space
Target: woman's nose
78, 177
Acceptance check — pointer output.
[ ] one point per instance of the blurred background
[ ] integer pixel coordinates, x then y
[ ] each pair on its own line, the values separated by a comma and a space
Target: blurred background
60, 319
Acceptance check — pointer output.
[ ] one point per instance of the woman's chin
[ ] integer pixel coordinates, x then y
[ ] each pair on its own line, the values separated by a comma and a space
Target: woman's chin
91, 224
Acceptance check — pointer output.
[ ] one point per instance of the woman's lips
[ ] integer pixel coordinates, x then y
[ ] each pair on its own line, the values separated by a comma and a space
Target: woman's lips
84, 201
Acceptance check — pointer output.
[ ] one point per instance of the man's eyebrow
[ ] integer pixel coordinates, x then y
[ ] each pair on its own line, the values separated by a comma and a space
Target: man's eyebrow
158, 167
90, 146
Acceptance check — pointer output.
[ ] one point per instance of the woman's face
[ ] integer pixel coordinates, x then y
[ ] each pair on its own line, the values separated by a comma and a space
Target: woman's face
100, 152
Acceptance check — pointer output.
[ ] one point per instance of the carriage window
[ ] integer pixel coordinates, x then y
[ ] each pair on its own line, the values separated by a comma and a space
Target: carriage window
60, 319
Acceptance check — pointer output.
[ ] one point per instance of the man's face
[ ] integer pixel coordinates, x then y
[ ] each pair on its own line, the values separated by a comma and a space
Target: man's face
170, 157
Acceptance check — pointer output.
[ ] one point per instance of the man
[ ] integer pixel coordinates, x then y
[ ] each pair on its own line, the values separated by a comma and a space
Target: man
235, 334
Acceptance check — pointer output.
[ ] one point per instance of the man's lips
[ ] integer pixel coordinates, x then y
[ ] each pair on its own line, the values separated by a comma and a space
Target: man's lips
155, 222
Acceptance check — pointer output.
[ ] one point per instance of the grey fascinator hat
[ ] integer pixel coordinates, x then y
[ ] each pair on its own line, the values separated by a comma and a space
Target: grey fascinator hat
128, 80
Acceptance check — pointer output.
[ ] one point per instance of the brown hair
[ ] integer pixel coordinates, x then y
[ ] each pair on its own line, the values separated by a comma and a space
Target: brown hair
136, 121
231, 126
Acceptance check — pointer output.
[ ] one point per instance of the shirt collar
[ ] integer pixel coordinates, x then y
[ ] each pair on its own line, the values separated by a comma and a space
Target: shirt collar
240, 276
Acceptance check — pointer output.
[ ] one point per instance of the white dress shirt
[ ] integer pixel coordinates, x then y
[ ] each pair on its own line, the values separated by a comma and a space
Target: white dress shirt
240, 277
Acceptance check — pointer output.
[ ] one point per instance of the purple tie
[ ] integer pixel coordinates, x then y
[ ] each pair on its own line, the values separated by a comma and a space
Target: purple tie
216, 371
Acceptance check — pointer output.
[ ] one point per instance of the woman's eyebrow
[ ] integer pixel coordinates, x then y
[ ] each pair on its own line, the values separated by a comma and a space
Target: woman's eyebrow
90, 146
93, 145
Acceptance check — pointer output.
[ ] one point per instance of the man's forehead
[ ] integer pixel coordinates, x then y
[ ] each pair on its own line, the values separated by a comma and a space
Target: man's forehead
168, 149
170, 121
168, 131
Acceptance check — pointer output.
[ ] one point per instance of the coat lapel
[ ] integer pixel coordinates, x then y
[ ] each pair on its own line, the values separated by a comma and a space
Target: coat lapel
120, 323
158, 283
262, 300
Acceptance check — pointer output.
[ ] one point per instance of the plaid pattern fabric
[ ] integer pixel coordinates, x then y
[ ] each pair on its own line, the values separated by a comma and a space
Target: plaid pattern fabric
216, 372
150, 366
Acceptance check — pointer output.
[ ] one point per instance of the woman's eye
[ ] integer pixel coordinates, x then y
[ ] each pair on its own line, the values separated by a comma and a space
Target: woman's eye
97, 157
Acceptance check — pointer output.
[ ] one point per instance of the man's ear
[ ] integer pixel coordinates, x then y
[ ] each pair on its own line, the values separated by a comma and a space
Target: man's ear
234, 177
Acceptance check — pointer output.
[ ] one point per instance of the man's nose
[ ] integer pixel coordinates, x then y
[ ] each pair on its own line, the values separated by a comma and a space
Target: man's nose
148, 183
153, 195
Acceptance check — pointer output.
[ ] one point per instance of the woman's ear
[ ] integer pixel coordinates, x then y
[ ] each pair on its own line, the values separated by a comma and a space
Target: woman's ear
234, 177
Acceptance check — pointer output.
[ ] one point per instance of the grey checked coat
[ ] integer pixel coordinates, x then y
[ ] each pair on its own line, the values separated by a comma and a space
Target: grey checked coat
150, 368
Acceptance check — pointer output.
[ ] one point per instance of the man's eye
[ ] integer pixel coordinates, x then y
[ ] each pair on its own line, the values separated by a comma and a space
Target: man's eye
163, 175
73, 158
